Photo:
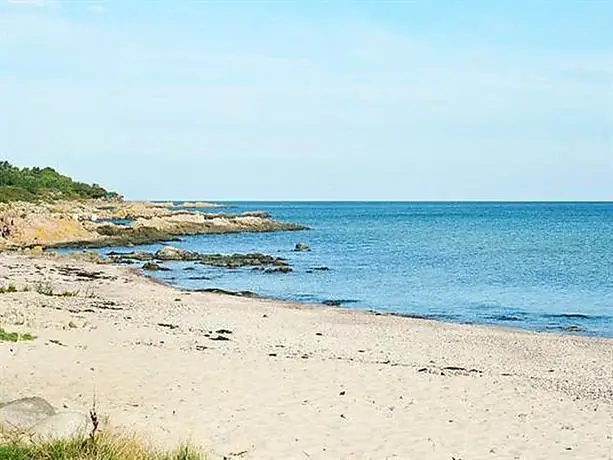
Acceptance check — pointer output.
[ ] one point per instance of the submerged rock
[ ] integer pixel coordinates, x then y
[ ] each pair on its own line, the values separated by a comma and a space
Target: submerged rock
142, 256
282, 269
302, 247
338, 302
225, 292
242, 260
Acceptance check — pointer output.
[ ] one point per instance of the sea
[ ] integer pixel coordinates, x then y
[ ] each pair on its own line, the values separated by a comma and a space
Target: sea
535, 266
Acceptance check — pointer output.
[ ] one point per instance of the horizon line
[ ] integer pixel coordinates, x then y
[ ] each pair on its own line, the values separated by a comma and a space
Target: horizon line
609, 201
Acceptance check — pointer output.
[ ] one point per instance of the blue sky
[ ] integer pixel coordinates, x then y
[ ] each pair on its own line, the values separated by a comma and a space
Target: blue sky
307, 100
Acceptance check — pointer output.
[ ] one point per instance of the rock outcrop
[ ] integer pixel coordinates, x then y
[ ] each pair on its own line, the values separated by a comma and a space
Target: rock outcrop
100, 223
232, 261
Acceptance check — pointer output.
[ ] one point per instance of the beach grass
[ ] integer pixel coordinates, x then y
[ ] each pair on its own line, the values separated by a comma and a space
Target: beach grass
15, 336
46, 288
103, 446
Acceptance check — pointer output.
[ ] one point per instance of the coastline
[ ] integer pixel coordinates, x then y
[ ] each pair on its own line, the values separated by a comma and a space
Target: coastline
105, 223
289, 303
296, 378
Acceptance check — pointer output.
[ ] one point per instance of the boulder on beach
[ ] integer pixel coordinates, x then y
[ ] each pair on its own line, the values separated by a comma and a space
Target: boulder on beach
23, 414
63, 426
41, 421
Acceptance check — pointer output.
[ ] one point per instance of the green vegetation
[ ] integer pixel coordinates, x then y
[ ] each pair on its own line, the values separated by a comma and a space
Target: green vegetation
9, 289
31, 184
104, 446
46, 288
14, 337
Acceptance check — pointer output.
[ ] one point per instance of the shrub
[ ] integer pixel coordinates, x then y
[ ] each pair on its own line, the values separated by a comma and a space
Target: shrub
44, 288
30, 184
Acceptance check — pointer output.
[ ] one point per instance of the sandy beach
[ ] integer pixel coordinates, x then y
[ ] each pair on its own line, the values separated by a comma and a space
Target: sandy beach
261, 379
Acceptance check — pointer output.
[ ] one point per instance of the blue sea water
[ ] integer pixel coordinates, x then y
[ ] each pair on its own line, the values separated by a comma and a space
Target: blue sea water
538, 266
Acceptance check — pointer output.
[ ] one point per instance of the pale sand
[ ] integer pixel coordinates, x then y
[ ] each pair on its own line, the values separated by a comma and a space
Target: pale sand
521, 396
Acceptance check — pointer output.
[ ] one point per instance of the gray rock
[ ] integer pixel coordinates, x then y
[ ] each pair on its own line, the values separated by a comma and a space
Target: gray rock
141, 256
282, 269
170, 253
241, 260
153, 267
25, 413
62, 426
301, 247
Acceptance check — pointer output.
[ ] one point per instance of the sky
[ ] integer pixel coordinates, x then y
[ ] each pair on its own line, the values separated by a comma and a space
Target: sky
310, 100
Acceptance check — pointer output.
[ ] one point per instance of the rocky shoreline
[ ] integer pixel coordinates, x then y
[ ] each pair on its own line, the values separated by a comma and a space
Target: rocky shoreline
104, 223
256, 261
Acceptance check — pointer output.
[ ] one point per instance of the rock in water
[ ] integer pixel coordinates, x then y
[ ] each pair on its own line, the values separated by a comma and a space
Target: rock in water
282, 269
25, 413
62, 426
142, 256
333, 303
170, 253
153, 267
241, 260
301, 247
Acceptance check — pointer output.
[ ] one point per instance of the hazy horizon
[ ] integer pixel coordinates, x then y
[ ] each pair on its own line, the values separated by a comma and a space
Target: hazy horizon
351, 101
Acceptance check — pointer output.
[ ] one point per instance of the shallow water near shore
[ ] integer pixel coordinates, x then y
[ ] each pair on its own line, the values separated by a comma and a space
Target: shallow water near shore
538, 266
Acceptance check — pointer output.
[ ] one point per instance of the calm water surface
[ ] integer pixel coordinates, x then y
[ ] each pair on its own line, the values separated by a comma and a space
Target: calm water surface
538, 266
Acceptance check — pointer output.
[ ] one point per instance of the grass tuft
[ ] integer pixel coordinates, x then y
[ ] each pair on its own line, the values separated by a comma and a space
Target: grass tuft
15, 337
104, 446
46, 288
9, 289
